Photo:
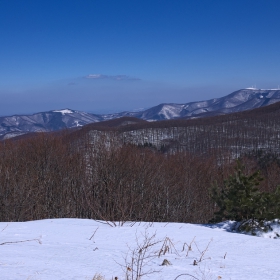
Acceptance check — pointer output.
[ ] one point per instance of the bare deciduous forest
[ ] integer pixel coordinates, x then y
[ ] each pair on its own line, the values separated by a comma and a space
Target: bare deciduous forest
160, 171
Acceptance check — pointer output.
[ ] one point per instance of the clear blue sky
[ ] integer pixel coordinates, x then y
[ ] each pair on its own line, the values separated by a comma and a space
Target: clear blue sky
113, 55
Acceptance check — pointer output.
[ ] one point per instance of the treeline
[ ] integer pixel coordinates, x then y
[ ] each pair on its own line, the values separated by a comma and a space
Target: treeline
97, 176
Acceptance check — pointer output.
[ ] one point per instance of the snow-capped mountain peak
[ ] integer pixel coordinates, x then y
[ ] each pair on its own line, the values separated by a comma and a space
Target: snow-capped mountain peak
241, 100
64, 111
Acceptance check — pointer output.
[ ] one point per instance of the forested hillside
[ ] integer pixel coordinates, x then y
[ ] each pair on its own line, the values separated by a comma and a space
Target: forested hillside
236, 133
160, 171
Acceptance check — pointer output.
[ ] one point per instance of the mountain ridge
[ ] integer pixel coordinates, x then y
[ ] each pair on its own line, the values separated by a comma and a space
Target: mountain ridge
237, 101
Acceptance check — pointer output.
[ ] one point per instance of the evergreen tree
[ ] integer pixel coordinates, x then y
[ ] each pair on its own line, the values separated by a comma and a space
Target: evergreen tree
241, 200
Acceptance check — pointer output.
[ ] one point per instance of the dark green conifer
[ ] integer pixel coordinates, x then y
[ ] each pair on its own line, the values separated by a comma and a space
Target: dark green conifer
241, 200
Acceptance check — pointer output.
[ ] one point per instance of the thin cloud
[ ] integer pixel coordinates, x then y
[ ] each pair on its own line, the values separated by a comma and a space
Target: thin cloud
96, 76
109, 77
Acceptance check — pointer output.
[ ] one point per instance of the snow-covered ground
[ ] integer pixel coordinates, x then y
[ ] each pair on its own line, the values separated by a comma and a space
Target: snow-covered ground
79, 248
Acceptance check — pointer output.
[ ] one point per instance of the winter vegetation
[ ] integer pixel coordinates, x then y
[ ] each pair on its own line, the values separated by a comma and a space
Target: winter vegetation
231, 135
49, 176
131, 193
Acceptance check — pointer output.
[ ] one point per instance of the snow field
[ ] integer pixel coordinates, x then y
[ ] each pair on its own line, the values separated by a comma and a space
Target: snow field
64, 249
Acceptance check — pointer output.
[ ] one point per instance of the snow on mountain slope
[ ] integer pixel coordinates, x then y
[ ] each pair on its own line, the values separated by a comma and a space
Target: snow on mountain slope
240, 100
78, 249
65, 111
45, 121
237, 101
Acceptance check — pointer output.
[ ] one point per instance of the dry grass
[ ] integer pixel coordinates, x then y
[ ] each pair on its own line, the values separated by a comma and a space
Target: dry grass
98, 277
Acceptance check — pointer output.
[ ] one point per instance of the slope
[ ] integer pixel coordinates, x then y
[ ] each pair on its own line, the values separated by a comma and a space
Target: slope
78, 249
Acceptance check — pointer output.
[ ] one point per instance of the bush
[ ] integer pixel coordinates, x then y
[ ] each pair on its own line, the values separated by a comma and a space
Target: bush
241, 200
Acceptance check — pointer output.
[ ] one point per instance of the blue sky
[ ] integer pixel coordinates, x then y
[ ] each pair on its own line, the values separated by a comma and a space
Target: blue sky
113, 55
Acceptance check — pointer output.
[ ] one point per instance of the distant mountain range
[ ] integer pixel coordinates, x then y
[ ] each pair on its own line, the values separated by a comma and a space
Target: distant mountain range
241, 100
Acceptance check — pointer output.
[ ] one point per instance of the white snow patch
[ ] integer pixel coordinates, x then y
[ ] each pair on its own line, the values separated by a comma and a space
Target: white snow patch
253, 88
171, 111
64, 111
77, 123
